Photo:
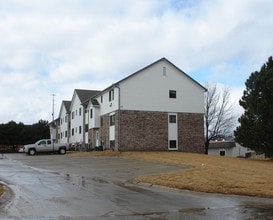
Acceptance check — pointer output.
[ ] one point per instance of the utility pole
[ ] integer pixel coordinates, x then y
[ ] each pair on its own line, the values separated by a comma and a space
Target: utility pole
53, 95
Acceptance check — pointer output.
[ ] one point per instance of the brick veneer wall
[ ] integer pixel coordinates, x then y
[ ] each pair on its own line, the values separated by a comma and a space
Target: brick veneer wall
141, 130
92, 138
191, 132
148, 131
104, 132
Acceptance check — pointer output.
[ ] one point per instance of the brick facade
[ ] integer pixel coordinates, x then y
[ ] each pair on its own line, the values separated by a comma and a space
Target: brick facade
92, 137
141, 130
148, 131
104, 131
191, 132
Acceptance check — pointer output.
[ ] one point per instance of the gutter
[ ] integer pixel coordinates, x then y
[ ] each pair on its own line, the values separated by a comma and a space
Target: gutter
119, 128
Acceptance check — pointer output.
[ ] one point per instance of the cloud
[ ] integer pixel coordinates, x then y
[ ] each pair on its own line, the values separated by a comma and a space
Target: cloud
56, 46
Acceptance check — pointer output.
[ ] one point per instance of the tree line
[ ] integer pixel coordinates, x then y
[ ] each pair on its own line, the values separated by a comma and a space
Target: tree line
14, 134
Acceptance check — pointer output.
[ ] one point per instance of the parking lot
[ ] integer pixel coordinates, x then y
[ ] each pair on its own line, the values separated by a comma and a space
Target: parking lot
86, 187
112, 168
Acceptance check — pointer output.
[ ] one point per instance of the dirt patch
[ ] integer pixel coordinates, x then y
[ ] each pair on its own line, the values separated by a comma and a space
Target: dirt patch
207, 173
2, 190
5, 195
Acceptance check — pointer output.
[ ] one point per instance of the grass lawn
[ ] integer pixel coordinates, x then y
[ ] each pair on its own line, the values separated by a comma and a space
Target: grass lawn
206, 173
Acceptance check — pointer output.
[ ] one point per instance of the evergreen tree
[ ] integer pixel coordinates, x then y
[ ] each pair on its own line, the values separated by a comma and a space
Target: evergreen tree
256, 124
40, 130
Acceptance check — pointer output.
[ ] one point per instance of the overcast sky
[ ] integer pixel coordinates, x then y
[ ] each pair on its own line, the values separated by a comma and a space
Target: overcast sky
54, 46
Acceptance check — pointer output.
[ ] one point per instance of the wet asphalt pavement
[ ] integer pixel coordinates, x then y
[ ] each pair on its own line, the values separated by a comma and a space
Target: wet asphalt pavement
81, 187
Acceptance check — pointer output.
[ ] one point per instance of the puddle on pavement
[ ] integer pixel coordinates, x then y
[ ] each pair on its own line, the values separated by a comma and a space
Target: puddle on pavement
90, 183
2, 156
87, 183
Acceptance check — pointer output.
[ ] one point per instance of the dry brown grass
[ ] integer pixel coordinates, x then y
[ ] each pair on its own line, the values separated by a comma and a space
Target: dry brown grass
206, 173
2, 190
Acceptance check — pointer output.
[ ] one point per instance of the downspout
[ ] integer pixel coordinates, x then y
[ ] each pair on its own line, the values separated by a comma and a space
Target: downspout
83, 127
68, 128
84, 106
119, 128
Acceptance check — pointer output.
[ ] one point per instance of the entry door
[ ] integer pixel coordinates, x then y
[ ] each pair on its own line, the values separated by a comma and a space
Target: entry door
97, 139
172, 132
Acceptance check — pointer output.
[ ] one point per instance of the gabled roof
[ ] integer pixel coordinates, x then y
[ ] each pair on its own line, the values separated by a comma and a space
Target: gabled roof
66, 104
162, 59
222, 144
95, 102
85, 94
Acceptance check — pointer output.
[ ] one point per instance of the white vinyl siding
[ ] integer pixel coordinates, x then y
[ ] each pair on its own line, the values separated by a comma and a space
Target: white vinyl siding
63, 125
150, 90
77, 121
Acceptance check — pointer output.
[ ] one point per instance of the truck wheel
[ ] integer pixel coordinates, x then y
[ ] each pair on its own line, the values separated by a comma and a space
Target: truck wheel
32, 152
62, 151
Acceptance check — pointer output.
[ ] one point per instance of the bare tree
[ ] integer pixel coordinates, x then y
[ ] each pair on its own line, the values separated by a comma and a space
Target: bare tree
218, 113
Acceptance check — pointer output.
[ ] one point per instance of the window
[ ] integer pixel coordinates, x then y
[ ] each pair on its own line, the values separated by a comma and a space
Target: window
172, 94
66, 118
112, 120
222, 153
101, 121
86, 127
164, 71
172, 144
101, 99
65, 133
111, 95
80, 111
72, 131
48, 142
172, 118
42, 143
80, 129
91, 113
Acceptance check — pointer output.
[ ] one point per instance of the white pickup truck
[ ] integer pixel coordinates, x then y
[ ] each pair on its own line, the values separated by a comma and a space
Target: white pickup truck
43, 146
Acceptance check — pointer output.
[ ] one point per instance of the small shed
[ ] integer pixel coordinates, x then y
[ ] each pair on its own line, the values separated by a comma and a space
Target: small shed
228, 148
